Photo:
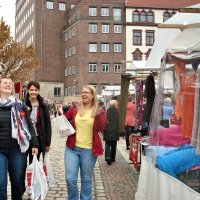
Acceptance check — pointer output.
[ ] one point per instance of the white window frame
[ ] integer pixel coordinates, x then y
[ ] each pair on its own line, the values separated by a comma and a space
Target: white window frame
105, 28
62, 6
92, 67
66, 36
104, 11
69, 91
92, 47
117, 28
92, 28
117, 47
117, 14
73, 31
66, 53
73, 50
92, 11
70, 71
73, 90
105, 68
105, 47
73, 69
49, 5
117, 68
66, 72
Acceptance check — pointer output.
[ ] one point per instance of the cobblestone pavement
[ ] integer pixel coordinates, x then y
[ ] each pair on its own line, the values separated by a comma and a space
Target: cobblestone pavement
110, 182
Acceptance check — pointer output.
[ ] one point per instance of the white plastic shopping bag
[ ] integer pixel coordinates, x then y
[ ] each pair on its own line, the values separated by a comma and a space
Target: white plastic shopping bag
48, 171
63, 126
36, 180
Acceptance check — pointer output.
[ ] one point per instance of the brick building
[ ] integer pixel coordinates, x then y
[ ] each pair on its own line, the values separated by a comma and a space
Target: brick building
77, 42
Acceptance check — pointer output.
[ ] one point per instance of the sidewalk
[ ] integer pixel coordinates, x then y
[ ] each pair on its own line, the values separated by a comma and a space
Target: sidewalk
110, 182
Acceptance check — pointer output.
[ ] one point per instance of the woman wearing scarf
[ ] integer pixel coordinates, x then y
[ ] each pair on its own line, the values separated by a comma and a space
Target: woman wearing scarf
16, 131
40, 118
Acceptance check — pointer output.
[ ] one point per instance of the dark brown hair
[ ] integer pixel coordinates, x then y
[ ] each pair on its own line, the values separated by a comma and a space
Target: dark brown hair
34, 83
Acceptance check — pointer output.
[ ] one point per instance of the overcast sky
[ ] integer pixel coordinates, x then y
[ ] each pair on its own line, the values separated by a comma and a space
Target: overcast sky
7, 11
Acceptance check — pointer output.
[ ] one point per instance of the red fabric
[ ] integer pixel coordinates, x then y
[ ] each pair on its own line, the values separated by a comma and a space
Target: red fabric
130, 114
168, 137
98, 126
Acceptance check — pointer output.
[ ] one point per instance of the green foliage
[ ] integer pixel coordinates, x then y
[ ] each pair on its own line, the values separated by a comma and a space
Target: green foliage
17, 61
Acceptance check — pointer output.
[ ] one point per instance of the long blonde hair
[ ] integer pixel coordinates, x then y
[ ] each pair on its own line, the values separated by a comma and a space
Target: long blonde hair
81, 108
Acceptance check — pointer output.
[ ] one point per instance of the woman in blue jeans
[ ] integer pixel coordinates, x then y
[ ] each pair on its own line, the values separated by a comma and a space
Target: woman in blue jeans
85, 145
16, 131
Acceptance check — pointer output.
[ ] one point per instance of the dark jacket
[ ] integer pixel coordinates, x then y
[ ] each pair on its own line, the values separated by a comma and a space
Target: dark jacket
44, 123
111, 132
98, 126
6, 139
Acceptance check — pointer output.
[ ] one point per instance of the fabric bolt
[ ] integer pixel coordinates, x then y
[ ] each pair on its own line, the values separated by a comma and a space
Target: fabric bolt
86, 159
168, 136
185, 158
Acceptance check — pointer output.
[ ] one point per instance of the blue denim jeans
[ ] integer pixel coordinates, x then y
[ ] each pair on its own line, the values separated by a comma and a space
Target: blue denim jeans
74, 159
12, 161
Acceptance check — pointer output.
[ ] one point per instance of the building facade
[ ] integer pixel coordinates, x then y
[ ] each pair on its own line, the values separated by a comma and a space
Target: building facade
142, 20
82, 42
77, 42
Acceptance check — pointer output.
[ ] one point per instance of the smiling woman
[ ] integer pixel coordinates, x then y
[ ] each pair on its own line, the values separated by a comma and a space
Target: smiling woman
15, 139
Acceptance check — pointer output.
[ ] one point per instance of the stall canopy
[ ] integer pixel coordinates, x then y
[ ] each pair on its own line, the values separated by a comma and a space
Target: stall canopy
166, 36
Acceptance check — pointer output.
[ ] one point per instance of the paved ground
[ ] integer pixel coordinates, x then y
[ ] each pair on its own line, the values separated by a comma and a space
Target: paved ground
110, 182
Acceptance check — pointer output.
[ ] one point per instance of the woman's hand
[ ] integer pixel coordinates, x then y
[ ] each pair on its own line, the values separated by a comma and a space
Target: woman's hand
34, 151
47, 149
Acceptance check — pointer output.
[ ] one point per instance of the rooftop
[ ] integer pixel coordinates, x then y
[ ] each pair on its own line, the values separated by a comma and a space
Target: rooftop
171, 4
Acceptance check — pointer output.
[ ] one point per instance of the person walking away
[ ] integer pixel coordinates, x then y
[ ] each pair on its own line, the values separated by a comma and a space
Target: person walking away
16, 132
40, 118
167, 110
111, 132
130, 120
83, 147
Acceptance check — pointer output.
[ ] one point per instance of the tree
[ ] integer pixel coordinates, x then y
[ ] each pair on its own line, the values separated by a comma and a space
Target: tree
17, 61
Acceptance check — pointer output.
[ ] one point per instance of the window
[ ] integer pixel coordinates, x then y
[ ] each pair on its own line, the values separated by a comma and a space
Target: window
62, 6
150, 17
117, 28
137, 37
73, 32
118, 47
104, 11
105, 68
73, 90
117, 14
57, 91
49, 4
149, 38
105, 28
166, 16
70, 52
143, 16
73, 50
65, 91
69, 91
70, 71
92, 11
117, 68
92, 28
137, 55
92, 47
104, 47
66, 36
92, 67
136, 16
66, 72
66, 53
73, 70
70, 34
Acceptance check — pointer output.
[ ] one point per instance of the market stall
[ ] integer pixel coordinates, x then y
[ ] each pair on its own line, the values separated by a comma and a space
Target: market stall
170, 167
